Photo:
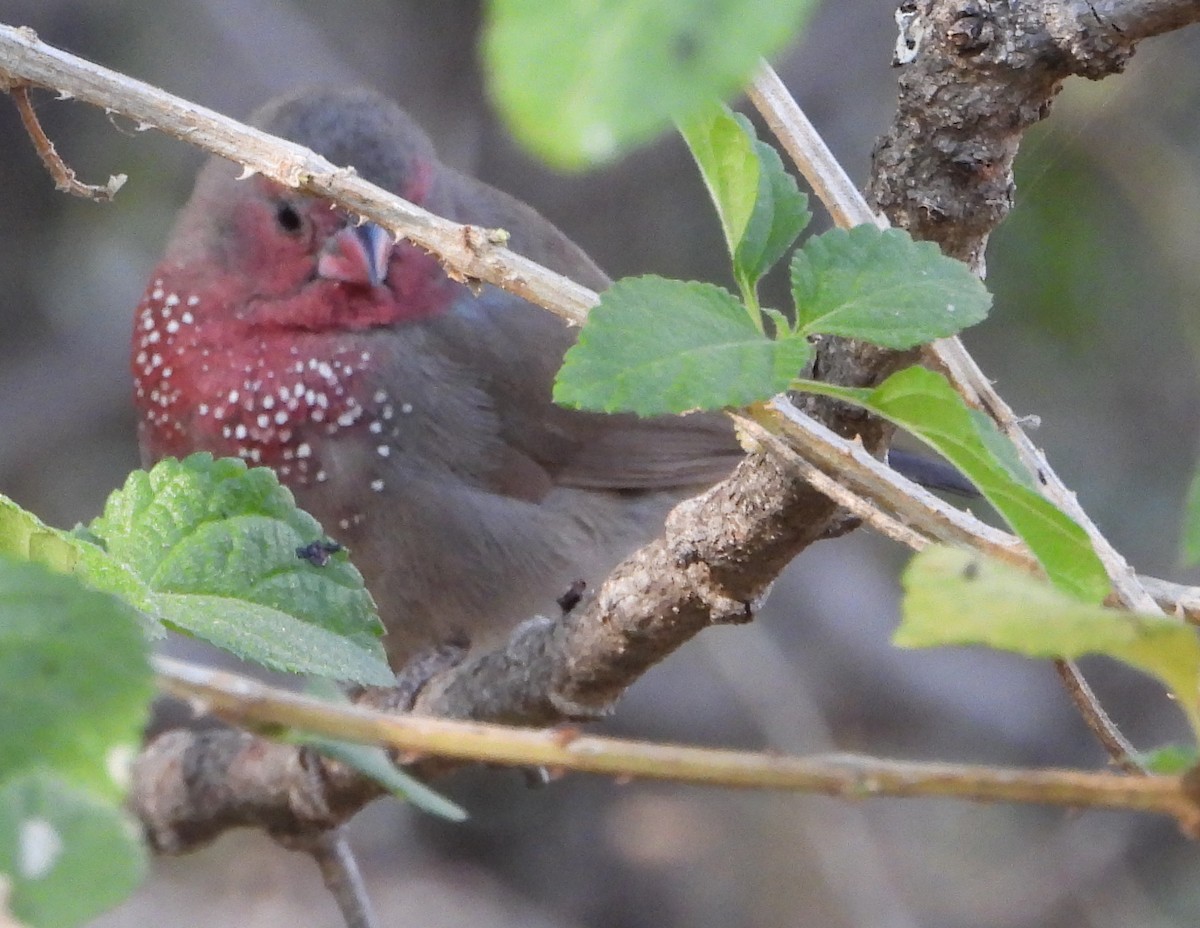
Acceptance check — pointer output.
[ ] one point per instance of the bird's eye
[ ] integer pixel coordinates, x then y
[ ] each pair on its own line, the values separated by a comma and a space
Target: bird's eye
289, 218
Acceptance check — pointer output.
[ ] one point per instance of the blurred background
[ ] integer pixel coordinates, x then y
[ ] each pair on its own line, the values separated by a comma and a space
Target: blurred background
1095, 330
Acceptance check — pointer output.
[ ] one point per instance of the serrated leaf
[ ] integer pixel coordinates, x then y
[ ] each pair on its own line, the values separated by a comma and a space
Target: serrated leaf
654, 346
882, 287
75, 681
272, 637
64, 855
780, 215
210, 532
25, 537
923, 403
578, 82
955, 597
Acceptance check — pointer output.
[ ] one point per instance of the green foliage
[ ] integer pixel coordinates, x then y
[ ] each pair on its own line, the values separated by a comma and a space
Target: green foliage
761, 210
923, 403
74, 678
579, 82
375, 763
882, 287
25, 537
1170, 759
65, 855
668, 346
215, 547
209, 548
655, 346
75, 685
956, 598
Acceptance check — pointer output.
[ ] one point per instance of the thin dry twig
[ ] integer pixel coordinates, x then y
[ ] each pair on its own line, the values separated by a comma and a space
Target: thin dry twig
343, 878
1124, 755
65, 179
468, 252
252, 704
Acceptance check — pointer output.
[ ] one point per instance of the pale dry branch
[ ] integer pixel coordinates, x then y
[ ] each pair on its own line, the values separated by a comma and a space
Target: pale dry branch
252, 704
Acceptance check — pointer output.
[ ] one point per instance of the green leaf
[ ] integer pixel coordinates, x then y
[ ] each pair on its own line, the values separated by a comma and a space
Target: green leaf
75, 681
655, 346
65, 856
206, 534
25, 537
375, 763
761, 210
956, 597
1170, 759
1190, 542
880, 286
923, 403
780, 215
579, 81
729, 165
272, 637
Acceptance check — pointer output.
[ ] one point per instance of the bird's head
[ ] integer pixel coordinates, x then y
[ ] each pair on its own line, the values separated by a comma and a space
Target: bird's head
265, 257
264, 294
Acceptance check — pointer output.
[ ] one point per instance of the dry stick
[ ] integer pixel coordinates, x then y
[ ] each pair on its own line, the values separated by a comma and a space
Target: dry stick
342, 877
250, 703
64, 178
898, 508
469, 252
848, 207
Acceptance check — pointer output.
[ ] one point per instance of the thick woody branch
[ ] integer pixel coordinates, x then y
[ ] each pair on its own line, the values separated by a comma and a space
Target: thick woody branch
981, 73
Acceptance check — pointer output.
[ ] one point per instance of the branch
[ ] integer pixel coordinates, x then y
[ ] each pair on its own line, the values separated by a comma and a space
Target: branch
64, 178
251, 704
468, 252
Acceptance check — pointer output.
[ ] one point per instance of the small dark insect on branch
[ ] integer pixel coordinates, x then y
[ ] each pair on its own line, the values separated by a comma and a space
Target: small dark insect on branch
64, 177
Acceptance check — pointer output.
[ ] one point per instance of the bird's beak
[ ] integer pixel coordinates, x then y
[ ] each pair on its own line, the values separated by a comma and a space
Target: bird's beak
356, 254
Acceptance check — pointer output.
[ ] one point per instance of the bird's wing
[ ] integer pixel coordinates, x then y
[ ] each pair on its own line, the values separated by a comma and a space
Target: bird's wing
518, 348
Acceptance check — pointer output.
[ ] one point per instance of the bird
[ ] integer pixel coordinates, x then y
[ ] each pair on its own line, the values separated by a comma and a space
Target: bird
410, 413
